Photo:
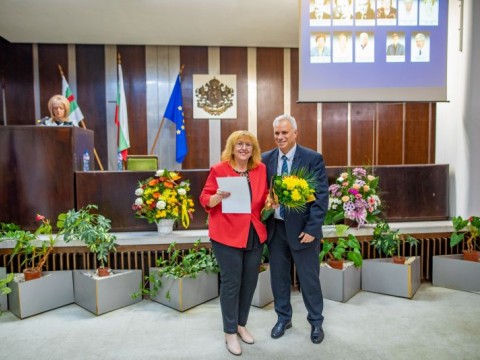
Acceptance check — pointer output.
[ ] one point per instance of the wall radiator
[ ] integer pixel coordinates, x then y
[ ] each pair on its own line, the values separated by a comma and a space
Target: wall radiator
138, 257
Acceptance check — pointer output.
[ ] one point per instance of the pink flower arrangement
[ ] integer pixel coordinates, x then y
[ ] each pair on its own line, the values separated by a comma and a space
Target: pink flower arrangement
354, 196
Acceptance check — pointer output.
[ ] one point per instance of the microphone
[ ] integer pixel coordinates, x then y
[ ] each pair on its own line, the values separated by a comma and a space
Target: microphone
43, 120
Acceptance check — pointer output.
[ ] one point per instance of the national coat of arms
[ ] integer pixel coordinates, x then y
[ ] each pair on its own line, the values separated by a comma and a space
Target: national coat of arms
214, 97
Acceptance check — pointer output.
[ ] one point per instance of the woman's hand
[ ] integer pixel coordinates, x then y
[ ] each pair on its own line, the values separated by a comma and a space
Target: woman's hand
218, 197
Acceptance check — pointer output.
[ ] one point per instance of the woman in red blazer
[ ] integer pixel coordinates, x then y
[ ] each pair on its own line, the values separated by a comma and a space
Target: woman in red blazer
237, 239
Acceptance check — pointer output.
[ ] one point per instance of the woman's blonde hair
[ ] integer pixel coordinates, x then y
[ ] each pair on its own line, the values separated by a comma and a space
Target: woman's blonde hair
228, 152
62, 101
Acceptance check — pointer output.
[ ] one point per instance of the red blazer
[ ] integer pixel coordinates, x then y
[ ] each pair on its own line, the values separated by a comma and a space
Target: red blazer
232, 229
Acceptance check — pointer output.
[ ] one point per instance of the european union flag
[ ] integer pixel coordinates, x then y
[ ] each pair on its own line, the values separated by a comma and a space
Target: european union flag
174, 113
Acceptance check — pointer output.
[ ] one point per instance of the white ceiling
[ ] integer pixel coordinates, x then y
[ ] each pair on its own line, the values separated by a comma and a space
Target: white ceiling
253, 23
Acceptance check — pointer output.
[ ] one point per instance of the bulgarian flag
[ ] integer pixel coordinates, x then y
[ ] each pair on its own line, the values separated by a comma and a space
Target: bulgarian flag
75, 115
121, 117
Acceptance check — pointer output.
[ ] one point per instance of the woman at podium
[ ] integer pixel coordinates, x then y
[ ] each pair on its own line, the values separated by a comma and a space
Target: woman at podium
59, 108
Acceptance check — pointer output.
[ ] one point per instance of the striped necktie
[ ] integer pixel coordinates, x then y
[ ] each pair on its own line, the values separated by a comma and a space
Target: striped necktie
284, 172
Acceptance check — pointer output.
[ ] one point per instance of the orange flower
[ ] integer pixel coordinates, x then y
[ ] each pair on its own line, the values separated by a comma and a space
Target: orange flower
169, 184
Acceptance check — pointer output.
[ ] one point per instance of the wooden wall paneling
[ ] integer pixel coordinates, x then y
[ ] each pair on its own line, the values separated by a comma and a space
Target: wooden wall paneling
233, 61
269, 93
18, 70
362, 140
3, 59
417, 133
304, 113
335, 134
432, 132
134, 80
390, 133
49, 57
91, 97
195, 59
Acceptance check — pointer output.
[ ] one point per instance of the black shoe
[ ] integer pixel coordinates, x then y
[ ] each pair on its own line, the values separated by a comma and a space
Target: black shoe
280, 327
317, 334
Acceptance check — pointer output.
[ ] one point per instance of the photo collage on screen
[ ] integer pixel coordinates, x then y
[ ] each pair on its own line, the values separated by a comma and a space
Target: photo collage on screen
343, 31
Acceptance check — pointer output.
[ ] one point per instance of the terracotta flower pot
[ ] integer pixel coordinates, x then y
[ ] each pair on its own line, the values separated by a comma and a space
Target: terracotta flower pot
103, 271
398, 259
32, 274
335, 264
471, 255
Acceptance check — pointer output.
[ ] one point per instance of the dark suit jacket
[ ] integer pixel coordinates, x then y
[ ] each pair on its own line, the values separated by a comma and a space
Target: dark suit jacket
310, 220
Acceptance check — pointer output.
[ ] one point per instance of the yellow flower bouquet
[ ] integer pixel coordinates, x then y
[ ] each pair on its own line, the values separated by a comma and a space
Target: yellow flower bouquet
164, 196
292, 191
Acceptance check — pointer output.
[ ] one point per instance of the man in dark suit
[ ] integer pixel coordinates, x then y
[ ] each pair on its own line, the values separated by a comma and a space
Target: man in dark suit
296, 234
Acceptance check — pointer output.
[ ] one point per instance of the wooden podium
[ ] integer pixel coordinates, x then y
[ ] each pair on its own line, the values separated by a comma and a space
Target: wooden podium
37, 167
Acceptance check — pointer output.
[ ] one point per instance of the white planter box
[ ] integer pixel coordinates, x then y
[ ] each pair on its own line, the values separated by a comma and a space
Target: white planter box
340, 285
385, 277
54, 289
451, 271
263, 293
101, 295
3, 298
186, 293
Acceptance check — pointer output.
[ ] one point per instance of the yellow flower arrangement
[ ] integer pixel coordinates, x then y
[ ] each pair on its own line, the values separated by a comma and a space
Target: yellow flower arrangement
292, 191
163, 196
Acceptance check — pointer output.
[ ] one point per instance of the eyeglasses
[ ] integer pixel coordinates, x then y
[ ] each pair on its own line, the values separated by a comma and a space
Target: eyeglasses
241, 145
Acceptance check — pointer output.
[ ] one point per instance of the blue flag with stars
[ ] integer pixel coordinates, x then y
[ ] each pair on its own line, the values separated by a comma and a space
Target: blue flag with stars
174, 113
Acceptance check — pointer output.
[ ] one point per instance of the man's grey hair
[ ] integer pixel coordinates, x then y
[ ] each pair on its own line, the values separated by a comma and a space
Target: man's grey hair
289, 118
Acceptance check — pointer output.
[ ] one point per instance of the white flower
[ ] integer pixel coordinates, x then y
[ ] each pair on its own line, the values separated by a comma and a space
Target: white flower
138, 201
139, 192
159, 173
341, 179
161, 205
181, 191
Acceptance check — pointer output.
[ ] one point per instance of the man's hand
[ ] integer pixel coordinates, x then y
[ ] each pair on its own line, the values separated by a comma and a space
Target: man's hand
305, 238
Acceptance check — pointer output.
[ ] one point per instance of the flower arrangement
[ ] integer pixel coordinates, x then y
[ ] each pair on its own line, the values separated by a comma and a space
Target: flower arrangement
293, 191
354, 196
163, 196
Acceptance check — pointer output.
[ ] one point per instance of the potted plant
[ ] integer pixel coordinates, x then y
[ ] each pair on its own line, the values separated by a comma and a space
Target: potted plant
163, 199
47, 289
389, 241
341, 249
29, 245
92, 229
182, 281
354, 198
4, 289
339, 282
386, 276
105, 289
452, 271
472, 225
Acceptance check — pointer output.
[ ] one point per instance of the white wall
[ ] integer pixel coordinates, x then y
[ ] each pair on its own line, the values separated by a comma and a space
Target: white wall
458, 121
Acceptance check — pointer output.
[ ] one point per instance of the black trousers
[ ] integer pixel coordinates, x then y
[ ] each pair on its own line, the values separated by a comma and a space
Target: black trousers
238, 280
308, 270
